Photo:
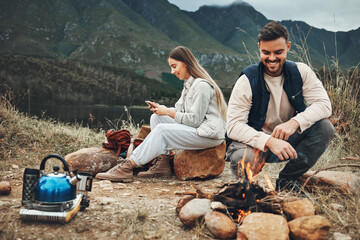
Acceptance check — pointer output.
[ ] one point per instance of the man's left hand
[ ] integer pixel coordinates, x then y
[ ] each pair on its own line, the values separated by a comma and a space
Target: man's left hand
285, 130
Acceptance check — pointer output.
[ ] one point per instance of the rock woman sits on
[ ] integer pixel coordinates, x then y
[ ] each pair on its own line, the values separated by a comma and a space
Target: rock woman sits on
197, 121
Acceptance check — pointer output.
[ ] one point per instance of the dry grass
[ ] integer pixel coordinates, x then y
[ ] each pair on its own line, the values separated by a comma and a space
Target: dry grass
26, 140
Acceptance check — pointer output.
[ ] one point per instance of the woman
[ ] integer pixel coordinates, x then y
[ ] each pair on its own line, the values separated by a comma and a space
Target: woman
196, 122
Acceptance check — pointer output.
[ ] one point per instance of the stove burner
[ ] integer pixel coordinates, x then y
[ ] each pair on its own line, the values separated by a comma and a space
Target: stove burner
52, 207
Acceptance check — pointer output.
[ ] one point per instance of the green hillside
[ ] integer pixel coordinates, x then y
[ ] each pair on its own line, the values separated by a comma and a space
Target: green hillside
137, 35
53, 81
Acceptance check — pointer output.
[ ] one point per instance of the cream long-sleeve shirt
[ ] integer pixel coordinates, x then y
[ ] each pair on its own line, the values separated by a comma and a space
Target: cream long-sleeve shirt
279, 108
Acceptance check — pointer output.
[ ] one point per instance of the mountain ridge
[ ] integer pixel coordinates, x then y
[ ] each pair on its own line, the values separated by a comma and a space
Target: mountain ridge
138, 34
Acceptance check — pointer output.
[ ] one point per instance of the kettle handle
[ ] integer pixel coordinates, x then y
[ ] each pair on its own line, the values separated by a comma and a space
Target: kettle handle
42, 165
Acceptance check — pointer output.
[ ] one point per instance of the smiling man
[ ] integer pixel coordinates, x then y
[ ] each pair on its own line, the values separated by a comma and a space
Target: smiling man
278, 111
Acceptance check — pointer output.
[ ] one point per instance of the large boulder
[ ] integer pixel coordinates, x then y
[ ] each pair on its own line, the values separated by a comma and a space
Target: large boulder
263, 226
92, 160
190, 164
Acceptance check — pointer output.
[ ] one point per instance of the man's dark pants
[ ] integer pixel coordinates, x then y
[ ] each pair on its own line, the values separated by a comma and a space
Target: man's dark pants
309, 145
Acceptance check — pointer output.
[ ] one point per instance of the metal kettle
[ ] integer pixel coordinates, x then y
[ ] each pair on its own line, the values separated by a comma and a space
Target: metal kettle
55, 187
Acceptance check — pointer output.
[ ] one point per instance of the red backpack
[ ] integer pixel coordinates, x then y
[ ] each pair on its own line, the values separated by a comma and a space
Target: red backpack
119, 140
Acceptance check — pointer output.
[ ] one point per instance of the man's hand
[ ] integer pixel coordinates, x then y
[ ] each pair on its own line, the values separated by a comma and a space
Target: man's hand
285, 130
282, 149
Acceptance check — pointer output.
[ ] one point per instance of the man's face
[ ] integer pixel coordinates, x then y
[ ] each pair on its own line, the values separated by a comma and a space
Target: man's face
273, 55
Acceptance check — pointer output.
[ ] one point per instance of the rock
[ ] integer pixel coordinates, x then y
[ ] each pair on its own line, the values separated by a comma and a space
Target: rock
310, 227
14, 166
263, 226
194, 211
220, 225
92, 160
182, 201
218, 206
5, 188
190, 164
299, 208
340, 236
346, 182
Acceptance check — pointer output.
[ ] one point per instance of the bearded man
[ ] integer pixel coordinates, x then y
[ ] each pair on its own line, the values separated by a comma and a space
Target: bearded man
278, 110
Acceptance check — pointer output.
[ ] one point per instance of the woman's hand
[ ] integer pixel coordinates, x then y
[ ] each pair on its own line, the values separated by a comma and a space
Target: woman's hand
162, 110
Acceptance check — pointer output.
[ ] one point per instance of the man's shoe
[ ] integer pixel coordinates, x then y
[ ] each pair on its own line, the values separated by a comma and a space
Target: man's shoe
288, 184
123, 172
161, 168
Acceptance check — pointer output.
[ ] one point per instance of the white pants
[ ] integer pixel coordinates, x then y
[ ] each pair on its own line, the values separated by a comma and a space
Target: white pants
165, 135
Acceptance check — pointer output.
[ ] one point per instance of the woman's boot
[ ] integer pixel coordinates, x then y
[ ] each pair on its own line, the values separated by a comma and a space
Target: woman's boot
123, 172
161, 168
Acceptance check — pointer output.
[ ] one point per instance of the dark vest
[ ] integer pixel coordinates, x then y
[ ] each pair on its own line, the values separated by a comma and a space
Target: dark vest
260, 95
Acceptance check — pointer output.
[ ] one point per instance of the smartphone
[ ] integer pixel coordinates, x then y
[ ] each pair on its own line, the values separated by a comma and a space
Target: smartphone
150, 104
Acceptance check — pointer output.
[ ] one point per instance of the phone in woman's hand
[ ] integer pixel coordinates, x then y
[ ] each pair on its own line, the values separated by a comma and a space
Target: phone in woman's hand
150, 104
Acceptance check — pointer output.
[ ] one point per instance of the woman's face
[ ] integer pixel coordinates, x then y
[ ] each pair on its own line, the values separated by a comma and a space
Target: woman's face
179, 69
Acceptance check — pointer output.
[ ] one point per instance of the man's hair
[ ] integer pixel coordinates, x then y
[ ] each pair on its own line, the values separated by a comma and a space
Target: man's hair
272, 31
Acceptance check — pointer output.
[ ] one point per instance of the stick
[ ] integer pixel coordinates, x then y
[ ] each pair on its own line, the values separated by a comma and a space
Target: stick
323, 169
351, 158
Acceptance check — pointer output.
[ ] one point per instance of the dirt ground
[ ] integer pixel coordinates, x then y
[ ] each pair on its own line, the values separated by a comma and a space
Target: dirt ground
143, 209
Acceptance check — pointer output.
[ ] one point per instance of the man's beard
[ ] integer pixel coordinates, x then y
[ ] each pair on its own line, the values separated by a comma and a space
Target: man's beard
270, 69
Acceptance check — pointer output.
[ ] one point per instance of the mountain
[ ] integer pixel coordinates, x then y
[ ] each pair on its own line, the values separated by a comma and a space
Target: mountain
113, 32
138, 34
237, 26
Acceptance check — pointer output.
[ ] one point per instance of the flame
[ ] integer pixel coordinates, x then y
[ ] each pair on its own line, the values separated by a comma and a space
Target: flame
268, 181
242, 214
252, 167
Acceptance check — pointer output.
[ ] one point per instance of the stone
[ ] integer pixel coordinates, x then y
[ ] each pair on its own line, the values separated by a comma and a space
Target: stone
5, 188
298, 208
263, 226
92, 160
220, 225
346, 182
194, 211
218, 206
310, 227
182, 201
190, 164
340, 236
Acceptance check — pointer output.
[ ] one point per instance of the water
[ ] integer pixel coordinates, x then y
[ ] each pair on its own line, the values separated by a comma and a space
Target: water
91, 116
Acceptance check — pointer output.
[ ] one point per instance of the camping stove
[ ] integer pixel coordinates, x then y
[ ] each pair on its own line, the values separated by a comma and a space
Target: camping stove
54, 197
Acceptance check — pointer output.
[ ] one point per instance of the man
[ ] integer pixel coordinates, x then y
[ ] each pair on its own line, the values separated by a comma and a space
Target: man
278, 111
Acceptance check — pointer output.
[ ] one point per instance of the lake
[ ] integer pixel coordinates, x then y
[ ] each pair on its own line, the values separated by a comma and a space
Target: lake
92, 116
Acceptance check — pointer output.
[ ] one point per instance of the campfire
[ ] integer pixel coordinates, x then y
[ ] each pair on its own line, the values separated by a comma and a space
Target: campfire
245, 196
250, 211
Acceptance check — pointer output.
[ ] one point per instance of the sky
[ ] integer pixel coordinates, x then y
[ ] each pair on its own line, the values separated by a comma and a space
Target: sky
332, 15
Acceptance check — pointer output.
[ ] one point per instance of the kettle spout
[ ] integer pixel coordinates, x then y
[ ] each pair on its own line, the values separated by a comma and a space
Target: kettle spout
74, 180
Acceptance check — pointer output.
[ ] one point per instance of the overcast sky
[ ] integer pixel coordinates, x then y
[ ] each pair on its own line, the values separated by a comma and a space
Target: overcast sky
332, 15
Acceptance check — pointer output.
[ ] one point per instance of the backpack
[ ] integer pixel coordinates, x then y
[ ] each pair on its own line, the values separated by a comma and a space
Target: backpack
119, 141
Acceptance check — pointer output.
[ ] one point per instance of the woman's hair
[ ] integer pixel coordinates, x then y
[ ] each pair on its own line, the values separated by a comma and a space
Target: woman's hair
183, 54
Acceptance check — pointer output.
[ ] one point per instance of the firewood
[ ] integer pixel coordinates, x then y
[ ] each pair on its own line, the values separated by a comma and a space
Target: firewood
201, 193
5, 188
